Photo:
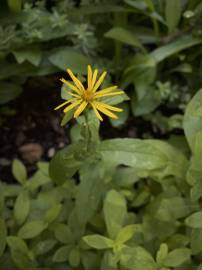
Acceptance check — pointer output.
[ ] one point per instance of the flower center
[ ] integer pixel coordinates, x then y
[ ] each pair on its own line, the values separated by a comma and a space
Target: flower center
88, 95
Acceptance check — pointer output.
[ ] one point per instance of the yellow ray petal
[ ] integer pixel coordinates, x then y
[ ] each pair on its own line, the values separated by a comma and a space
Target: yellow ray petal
78, 91
75, 80
98, 83
80, 109
94, 78
70, 107
96, 112
105, 111
109, 94
111, 108
74, 95
90, 76
64, 103
106, 90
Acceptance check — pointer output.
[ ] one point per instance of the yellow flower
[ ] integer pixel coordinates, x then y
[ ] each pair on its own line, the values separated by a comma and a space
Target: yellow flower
82, 97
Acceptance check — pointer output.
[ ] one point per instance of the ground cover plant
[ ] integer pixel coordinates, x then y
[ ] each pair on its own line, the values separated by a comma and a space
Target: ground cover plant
124, 192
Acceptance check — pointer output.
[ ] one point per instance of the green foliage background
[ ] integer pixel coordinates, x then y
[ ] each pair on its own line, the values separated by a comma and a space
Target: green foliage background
118, 203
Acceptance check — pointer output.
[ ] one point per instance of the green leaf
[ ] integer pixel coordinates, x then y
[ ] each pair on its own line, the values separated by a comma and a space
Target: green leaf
53, 213
98, 241
196, 241
67, 117
3, 234
175, 47
173, 10
74, 257
144, 155
63, 233
137, 258
15, 5
125, 36
65, 163
62, 254
127, 233
114, 212
195, 220
66, 57
192, 122
109, 261
21, 260
177, 257
9, 91
44, 247
17, 244
19, 171
147, 103
32, 229
90, 191
22, 207
161, 254
122, 117
30, 54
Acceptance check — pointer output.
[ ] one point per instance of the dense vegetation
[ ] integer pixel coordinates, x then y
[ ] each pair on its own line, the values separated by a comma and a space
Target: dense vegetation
109, 204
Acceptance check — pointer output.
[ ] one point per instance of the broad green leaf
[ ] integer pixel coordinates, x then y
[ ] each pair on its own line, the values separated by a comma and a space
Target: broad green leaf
67, 117
177, 257
98, 241
132, 152
162, 254
199, 267
3, 234
175, 47
141, 72
37, 180
192, 122
19, 171
30, 54
173, 167
68, 58
137, 258
127, 232
125, 36
65, 163
17, 244
62, 254
63, 233
114, 212
9, 91
90, 260
144, 155
147, 103
74, 257
22, 207
166, 211
53, 213
15, 5
90, 191
109, 261
21, 260
173, 10
195, 220
196, 241
44, 247
122, 117
32, 229
178, 240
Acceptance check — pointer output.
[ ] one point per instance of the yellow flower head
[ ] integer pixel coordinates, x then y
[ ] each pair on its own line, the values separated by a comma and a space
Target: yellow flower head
82, 97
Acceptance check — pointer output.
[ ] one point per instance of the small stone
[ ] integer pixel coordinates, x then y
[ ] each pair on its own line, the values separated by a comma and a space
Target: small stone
31, 152
51, 152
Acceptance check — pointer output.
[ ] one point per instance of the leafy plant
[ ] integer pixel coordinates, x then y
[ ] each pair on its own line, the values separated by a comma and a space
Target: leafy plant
135, 204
